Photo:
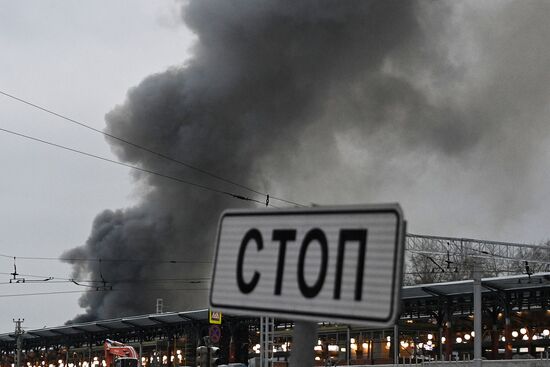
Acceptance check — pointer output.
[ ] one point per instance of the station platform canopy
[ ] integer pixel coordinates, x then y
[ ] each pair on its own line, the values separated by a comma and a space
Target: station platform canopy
511, 283
113, 325
412, 297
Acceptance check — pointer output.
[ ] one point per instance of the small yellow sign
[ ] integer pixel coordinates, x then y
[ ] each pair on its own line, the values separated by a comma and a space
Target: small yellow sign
215, 317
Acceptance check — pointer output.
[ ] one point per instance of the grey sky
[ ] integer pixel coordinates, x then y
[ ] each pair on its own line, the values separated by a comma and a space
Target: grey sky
79, 59
448, 116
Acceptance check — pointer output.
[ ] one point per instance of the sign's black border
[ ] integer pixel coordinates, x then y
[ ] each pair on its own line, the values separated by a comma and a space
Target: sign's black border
399, 249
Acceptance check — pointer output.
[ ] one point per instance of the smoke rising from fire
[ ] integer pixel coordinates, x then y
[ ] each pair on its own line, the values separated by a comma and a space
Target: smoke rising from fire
426, 103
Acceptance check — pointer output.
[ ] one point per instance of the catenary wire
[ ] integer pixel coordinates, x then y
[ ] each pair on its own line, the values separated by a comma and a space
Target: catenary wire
50, 279
148, 150
204, 187
40, 293
55, 280
75, 259
163, 261
97, 290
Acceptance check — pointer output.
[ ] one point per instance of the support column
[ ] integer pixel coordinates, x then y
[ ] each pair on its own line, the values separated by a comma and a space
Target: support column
232, 349
507, 334
371, 349
441, 357
348, 347
494, 340
448, 340
174, 352
396, 343
477, 316
90, 351
267, 327
415, 343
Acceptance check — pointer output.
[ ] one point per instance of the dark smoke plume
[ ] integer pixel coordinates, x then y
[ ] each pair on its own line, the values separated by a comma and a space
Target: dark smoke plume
315, 101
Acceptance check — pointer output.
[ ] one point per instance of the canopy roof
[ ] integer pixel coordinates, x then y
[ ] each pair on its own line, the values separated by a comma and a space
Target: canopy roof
120, 324
503, 284
409, 293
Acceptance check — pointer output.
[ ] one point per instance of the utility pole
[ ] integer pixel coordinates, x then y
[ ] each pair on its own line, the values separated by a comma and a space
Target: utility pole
18, 340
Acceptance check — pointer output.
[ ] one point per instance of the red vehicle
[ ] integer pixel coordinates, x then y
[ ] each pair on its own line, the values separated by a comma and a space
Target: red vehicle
120, 355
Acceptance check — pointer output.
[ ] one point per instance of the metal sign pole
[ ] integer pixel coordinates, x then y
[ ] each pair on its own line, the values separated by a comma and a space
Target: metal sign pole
303, 340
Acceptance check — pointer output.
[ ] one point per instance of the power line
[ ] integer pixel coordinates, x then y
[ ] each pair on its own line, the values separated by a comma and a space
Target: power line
53, 280
33, 276
158, 280
98, 290
148, 150
236, 196
159, 289
76, 259
56, 279
39, 293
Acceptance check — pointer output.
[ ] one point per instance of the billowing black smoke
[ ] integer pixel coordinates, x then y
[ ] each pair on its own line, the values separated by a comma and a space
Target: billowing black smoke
315, 101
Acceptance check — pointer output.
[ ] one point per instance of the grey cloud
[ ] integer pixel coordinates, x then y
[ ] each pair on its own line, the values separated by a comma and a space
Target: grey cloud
312, 100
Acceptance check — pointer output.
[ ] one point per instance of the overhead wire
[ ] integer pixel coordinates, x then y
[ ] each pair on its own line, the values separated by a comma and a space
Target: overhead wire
109, 283
128, 260
190, 183
113, 284
97, 290
174, 261
101, 283
150, 151
127, 280
40, 293
54, 280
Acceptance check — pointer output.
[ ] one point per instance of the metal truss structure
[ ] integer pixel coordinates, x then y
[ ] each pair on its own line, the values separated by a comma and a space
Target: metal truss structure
436, 259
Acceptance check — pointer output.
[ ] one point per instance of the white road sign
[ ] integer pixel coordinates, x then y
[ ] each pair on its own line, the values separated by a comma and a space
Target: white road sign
340, 264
